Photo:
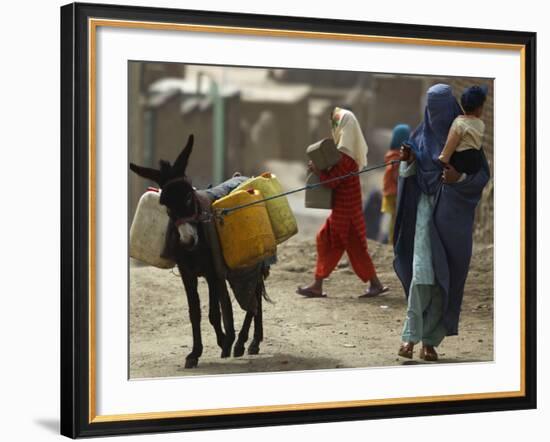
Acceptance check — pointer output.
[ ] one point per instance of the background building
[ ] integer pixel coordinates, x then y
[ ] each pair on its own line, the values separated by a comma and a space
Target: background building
257, 119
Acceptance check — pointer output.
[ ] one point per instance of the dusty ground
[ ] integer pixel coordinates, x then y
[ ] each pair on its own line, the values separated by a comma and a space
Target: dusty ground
299, 333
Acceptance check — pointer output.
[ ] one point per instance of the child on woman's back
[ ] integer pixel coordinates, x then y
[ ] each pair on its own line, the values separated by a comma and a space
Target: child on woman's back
463, 147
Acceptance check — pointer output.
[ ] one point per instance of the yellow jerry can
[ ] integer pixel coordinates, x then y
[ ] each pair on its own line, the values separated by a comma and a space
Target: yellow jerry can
245, 235
280, 214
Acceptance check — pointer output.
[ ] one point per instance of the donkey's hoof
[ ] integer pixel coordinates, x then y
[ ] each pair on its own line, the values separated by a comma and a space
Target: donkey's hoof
191, 362
226, 352
253, 349
220, 340
238, 351
228, 344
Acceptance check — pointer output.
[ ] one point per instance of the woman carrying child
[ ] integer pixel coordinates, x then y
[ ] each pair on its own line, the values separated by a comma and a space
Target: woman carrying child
463, 147
434, 226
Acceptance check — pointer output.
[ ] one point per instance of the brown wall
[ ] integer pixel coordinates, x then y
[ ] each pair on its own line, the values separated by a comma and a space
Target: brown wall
343, 79
135, 135
292, 122
171, 128
152, 72
379, 101
396, 100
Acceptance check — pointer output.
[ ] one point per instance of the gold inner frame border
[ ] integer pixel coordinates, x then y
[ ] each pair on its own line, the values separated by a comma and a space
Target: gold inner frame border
93, 24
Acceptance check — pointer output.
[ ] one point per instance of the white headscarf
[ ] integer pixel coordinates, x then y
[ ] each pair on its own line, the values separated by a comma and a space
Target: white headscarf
348, 137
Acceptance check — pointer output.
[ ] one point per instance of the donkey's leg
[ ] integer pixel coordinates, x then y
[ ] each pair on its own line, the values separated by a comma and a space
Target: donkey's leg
193, 302
254, 347
238, 350
214, 315
227, 316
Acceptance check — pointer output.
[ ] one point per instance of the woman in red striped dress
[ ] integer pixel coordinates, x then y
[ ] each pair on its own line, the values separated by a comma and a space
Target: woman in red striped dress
344, 230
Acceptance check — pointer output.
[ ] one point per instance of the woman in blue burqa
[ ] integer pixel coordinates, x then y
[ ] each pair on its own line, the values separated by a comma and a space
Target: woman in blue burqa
434, 227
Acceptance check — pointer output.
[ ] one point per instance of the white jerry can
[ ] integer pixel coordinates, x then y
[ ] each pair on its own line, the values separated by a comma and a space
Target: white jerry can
148, 231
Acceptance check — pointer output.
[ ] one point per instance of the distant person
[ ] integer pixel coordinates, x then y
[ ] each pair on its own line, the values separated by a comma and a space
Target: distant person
463, 147
264, 135
372, 215
433, 229
344, 230
400, 133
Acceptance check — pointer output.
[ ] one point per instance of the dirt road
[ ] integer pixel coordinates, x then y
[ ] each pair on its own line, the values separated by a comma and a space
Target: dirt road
340, 331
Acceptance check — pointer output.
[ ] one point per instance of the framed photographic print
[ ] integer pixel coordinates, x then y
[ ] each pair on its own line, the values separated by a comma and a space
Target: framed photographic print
274, 220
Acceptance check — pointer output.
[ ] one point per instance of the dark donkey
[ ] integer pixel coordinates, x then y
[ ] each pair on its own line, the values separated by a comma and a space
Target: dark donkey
189, 243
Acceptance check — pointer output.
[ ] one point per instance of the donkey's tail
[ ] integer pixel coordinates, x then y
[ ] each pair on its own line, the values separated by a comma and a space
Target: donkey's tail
266, 267
261, 291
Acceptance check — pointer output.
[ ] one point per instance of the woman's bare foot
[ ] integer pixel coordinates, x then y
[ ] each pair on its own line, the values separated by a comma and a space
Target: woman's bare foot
376, 288
313, 290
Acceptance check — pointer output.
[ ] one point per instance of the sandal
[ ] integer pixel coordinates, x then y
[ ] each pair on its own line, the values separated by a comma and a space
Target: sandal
406, 350
308, 293
428, 353
370, 293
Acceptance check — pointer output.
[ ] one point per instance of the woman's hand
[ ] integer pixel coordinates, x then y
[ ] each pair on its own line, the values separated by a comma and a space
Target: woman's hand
313, 168
450, 175
406, 154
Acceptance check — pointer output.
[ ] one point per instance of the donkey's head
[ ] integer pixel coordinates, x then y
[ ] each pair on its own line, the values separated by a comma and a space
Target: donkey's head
178, 195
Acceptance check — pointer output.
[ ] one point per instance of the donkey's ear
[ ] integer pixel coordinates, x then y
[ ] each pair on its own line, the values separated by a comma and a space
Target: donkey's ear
178, 169
146, 172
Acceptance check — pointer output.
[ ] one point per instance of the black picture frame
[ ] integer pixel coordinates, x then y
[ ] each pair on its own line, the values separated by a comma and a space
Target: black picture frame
76, 416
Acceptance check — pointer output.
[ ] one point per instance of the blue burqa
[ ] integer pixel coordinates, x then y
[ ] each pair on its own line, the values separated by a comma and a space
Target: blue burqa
452, 221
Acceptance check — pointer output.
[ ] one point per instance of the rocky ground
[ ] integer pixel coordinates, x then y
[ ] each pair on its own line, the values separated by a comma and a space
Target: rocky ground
339, 331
